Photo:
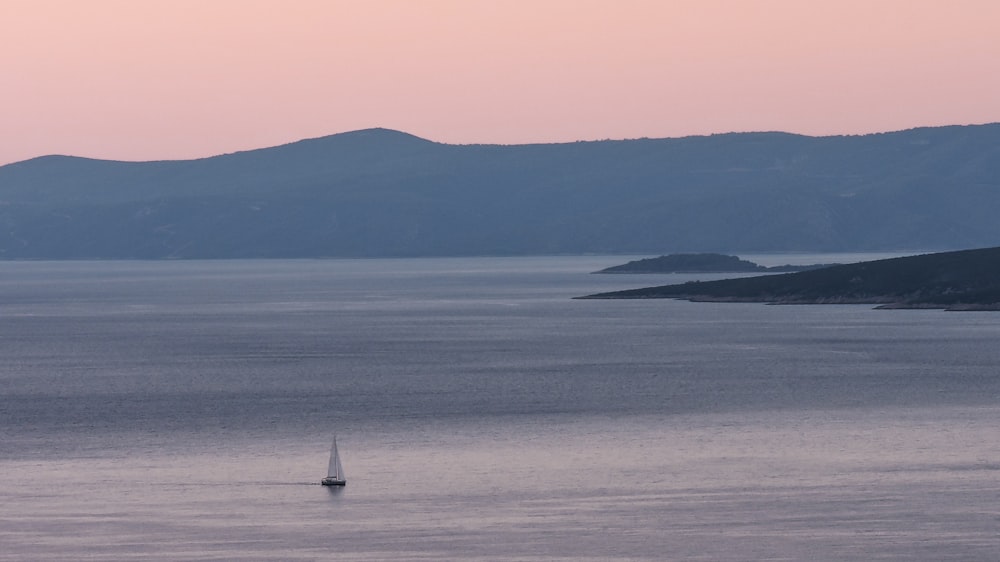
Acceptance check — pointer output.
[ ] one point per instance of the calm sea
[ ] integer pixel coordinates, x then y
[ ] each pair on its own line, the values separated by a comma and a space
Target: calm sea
184, 410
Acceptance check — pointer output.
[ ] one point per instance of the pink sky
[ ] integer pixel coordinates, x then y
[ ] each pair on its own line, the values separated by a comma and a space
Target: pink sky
169, 79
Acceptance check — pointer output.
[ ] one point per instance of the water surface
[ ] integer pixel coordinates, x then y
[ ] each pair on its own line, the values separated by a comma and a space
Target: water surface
183, 410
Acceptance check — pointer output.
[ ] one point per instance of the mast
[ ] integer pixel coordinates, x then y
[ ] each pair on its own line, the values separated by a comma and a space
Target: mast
334, 470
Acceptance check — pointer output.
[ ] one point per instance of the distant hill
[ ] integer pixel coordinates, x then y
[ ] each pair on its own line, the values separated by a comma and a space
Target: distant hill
701, 263
384, 193
963, 280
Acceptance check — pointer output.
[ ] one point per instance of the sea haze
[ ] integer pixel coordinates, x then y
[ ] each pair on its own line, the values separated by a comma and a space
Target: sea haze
183, 410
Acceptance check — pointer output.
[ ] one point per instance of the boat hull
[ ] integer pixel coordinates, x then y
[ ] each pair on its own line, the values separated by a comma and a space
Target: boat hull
333, 482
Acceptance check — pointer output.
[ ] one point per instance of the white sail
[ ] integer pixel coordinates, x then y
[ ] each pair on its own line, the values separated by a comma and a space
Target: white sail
335, 470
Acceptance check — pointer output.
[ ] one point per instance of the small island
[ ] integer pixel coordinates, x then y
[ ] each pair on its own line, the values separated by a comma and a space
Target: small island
960, 280
702, 263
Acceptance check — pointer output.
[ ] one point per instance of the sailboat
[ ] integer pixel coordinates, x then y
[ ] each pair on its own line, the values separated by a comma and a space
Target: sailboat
335, 472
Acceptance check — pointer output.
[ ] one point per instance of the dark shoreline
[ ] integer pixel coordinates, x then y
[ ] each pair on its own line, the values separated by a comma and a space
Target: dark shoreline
966, 280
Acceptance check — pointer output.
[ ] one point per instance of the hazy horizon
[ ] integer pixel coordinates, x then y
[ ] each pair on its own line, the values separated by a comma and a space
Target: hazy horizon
293, 141
160, 80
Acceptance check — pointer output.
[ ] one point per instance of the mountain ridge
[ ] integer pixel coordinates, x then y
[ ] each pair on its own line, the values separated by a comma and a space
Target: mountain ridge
380, 192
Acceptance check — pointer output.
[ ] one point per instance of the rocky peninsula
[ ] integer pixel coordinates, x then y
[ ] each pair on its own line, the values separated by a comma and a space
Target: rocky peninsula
959, 280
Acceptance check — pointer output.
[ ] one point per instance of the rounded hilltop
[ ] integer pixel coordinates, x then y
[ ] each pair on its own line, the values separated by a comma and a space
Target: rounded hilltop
700, 263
